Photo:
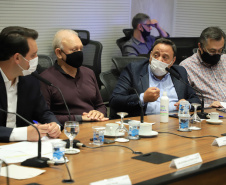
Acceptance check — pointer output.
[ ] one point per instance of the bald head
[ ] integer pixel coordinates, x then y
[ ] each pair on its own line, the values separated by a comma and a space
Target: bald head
66, 38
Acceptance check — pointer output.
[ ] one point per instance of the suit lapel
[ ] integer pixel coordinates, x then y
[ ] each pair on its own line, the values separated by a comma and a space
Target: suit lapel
3, 101
144, 78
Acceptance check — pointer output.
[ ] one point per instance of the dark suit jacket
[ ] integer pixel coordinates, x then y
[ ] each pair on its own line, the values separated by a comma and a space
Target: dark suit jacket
136, 75
30, 105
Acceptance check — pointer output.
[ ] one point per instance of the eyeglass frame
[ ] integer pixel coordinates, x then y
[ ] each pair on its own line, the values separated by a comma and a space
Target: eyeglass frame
220, 53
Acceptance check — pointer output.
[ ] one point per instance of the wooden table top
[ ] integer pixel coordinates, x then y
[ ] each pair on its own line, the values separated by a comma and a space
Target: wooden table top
92, 165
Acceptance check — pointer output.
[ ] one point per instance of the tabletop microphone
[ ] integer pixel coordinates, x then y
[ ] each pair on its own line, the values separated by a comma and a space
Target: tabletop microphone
36, 75
140, 103
201, 114
39, 161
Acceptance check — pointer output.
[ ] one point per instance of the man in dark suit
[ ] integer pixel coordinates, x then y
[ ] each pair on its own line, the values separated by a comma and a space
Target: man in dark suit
20, 92
150, 79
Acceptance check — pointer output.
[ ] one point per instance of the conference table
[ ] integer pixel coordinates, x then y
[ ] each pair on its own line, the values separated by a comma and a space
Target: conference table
92, 165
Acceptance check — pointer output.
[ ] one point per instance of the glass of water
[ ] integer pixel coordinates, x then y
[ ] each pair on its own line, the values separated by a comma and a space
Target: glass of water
71, 129
195, 121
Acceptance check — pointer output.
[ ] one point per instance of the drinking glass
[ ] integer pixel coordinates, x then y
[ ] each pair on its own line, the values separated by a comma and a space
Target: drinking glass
121, 130
71, 129
195, 121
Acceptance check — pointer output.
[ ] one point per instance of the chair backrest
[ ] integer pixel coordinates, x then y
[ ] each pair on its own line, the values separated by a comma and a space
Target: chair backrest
84, 35
185, 47
92, 57
128, 32
44, 62
122, 62
121, 41
109, 80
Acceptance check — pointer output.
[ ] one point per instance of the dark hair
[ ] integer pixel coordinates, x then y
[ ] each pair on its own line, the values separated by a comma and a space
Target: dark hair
167, 42
214, 33
139, 18
13, 39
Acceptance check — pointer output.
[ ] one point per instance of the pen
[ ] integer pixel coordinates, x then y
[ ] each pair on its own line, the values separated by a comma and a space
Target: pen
35, 122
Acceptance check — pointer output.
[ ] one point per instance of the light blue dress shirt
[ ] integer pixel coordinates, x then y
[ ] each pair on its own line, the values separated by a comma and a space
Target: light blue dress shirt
165, 84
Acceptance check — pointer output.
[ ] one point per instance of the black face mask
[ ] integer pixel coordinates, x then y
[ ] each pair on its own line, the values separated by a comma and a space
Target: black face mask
145, 33
210, 59
74, 59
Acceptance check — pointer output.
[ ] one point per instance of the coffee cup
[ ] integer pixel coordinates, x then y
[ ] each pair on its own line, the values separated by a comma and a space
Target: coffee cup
111, 129
145, 129
214, 116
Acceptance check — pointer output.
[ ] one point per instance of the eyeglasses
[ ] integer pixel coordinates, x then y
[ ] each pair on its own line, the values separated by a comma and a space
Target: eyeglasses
148, 25
214, 52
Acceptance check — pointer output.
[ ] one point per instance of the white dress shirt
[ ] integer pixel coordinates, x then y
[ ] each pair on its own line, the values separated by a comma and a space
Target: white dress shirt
19, 133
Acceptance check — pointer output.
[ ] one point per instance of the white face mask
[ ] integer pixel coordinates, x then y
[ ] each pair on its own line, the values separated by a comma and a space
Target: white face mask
32, 66
158, 68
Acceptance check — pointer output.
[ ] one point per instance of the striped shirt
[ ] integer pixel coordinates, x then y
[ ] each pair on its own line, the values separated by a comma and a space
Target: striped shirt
211, 81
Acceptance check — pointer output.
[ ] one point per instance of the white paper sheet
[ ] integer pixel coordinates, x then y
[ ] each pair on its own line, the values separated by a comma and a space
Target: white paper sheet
18, 152
223, 104
20, 172
122, 180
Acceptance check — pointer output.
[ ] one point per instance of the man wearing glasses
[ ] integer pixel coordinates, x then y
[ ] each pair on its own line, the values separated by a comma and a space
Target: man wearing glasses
141, 41
207, 68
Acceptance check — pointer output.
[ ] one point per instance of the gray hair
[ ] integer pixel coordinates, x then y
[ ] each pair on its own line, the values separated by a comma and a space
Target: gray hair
214, 33
139, 18
57, 40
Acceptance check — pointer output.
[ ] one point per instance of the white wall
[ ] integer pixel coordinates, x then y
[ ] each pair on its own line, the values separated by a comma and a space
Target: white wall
161, 10
105, 20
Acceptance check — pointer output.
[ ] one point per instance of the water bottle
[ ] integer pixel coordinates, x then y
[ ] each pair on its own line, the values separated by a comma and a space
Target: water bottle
184, 116
164, 108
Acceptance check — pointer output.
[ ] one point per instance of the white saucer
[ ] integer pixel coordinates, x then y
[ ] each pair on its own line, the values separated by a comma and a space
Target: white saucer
214, 122
152, 134
61, 161
75, 151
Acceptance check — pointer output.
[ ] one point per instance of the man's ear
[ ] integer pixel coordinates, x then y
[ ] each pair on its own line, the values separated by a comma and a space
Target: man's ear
139, 27
16, 58
58, 53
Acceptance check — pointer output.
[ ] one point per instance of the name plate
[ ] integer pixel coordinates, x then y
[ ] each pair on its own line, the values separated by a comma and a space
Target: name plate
186, 161
122, 180
221, 141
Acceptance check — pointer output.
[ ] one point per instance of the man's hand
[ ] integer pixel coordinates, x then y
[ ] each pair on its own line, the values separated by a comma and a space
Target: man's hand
178, 103
93, 115
151, 94
32, 134
216, 104
54, 130
154, 23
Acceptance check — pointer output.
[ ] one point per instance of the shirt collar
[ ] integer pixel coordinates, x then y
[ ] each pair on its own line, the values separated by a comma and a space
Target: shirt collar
57, 67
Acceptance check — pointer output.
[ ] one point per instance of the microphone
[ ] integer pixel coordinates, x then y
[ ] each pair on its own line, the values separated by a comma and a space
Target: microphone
142, 110
201, 114
39, 161
36, 75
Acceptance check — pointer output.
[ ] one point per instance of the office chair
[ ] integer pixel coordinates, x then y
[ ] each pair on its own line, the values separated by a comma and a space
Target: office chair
84, 35
109, 80
121, 41
128, 32
92, 58
122, 62
44, 62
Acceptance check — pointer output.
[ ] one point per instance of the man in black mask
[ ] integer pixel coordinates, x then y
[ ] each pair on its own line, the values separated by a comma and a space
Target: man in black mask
207, 68
141, 41
77, 83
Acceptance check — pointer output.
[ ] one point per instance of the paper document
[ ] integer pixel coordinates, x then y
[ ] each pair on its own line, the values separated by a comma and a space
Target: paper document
223, 104
20, 172
18, 152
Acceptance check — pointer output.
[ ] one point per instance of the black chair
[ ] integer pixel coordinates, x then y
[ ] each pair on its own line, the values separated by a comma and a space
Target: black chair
185, 46
84, 35
44, 62
122, 62
121, 41
109, 80
92, 58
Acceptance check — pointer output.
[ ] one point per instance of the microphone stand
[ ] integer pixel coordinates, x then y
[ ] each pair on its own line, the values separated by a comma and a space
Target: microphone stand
141, 107
201, 114
39, 161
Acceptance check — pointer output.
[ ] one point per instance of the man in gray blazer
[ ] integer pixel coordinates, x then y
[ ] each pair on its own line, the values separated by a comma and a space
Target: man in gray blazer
150, 79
